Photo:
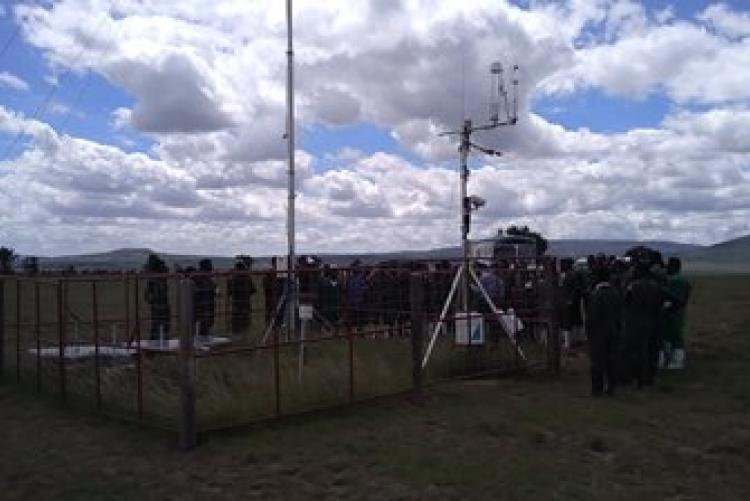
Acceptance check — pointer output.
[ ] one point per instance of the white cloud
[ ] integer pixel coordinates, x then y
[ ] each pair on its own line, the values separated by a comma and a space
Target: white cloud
58, 108
218, 68
726, 21
120, 118
207, 79
11, 81
665, 15
685, 60
676, 181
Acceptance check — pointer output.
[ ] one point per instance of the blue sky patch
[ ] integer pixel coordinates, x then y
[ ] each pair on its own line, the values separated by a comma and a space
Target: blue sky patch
599, 112
325, 141
80, 106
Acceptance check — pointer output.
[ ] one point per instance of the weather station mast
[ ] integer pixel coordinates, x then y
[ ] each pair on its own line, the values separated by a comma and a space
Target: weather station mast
471, 203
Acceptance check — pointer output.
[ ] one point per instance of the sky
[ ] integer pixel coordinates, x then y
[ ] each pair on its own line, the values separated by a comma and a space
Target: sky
160, 123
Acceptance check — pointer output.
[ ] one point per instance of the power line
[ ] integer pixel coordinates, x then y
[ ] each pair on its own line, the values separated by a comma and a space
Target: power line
41, 108
10, 40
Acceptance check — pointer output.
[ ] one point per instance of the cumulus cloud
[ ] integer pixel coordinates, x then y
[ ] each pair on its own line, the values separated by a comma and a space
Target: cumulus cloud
726, 21
11, 81
175, 95
220, 68
642, 55
207, 83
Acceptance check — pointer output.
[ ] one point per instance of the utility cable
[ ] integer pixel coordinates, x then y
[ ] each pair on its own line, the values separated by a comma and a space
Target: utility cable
41, 108
10, 40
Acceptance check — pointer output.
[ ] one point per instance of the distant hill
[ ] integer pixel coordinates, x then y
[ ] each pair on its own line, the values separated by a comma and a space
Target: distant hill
126, 259
572, 248
134, 258
737, 249
731, 256
617, 247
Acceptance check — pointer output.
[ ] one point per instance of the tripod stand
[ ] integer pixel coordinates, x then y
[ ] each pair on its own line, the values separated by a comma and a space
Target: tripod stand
465, 274
508, 321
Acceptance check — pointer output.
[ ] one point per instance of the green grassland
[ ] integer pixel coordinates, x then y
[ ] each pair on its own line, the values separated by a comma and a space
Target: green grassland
521, 437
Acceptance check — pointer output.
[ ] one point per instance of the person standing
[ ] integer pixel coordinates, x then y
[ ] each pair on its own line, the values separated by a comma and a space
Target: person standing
329, 296
270, 293
356, 288
643, 306
204, 305
157, 296
573, 285
240, 291
603, 324
680, 289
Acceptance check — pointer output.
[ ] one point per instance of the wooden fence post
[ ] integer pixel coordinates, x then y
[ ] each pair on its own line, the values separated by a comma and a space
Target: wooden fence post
188, 425
416, 300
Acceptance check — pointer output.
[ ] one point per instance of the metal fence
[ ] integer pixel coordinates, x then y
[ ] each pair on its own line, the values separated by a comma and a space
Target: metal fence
210, 350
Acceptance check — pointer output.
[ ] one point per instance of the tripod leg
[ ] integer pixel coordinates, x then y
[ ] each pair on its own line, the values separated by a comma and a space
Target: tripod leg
323, 320
495, 310
441, 321
272, 324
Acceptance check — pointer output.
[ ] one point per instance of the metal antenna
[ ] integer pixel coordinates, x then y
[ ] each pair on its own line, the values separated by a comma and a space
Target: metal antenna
291, 284
496, 70
504, 92
472, 203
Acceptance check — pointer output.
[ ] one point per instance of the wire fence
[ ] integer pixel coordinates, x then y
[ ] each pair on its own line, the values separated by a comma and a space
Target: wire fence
158, 349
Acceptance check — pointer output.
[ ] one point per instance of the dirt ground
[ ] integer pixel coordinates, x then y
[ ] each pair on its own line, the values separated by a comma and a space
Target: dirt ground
529, 437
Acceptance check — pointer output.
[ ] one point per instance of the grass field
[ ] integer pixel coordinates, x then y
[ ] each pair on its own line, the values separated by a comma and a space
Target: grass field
512, 438
234, 387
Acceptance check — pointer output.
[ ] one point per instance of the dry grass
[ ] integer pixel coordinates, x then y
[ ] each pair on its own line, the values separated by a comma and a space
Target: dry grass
524, 438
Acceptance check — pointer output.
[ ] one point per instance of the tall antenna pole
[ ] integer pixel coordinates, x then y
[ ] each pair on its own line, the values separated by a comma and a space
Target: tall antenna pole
291, 259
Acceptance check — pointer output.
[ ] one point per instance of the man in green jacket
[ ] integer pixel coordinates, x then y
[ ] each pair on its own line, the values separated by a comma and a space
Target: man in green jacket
679, 288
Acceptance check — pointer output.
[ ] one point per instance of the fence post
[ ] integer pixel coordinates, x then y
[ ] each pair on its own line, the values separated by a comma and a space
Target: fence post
2, 329
416, 300
188, 427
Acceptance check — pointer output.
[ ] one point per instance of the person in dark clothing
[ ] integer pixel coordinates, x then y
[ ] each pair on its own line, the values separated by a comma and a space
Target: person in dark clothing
204, 298
680, 289
274, 286
356, 289
603, 307
403, 305
240, 290
329, 295
157, 296
573, 285
643, 305
378, 295
440, 284
270, 294
388, 297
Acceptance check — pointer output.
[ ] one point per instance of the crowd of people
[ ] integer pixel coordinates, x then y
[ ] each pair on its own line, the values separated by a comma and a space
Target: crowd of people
629, 311
632, 312
240, 289
366, 297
